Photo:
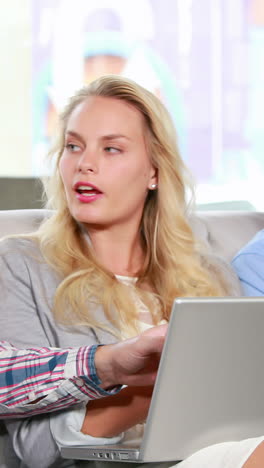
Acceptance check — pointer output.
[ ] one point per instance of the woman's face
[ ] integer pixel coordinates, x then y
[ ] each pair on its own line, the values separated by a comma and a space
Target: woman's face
105, 168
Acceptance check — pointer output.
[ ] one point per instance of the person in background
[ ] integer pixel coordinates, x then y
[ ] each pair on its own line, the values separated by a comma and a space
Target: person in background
38, 380
108, 264
249, 266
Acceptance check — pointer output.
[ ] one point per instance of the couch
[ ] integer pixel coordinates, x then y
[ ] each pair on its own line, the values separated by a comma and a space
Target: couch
224, 231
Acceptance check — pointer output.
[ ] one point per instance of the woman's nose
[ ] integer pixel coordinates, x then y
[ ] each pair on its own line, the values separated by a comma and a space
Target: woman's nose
87, 163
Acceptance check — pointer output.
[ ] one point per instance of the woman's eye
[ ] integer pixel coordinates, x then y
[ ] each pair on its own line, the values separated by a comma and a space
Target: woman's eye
73, 148
112, 149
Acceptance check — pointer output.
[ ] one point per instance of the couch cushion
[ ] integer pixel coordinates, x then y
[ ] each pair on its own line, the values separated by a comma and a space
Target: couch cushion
20, 221
224, 231
228, 231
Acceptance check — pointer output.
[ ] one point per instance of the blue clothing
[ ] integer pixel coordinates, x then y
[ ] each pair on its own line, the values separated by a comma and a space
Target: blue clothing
249, 266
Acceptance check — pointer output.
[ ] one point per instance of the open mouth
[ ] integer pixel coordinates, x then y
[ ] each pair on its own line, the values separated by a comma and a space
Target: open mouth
87, 191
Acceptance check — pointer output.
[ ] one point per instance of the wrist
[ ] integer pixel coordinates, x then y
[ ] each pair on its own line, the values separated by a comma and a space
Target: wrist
104, 368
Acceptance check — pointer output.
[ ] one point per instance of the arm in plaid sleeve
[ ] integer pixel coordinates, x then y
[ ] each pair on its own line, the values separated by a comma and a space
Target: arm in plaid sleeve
39, 380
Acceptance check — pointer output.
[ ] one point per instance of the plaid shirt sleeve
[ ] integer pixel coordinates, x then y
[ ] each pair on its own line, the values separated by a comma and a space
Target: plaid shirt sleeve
40, 380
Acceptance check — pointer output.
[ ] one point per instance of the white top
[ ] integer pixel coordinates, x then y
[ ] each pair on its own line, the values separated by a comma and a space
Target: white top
144, 316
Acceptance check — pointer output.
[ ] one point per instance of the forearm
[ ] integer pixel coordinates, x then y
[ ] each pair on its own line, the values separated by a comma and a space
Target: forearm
38, 380
110, 416
256, 459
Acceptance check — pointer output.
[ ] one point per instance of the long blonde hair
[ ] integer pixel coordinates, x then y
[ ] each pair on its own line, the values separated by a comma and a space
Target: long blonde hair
173, 264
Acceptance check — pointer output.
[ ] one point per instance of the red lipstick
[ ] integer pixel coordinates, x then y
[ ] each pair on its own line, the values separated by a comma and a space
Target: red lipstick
87, 192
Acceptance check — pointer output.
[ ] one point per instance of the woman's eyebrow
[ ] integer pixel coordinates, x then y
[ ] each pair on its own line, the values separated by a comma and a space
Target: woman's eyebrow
110, 136
114, 136
76, 135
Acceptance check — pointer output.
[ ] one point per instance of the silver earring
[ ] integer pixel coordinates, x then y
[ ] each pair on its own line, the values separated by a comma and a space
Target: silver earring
153, 186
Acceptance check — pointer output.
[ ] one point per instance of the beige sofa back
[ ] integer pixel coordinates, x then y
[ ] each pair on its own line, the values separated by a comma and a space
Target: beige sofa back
224, 231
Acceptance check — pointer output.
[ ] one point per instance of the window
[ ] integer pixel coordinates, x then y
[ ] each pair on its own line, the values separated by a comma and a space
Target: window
204, 59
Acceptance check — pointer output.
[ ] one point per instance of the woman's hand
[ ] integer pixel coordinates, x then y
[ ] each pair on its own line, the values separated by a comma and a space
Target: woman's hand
108, 417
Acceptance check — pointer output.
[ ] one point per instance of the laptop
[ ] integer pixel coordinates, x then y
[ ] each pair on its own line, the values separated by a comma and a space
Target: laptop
209, 387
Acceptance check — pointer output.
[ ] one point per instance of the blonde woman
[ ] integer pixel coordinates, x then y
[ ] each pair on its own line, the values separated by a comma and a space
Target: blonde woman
110, 260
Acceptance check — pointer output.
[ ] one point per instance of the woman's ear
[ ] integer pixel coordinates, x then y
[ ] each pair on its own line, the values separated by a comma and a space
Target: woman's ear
153, 183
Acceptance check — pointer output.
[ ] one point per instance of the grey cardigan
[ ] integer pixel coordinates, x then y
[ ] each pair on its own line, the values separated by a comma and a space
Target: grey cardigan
27, 286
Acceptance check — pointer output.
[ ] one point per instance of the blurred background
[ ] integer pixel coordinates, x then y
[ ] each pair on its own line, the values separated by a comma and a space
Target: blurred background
204, 59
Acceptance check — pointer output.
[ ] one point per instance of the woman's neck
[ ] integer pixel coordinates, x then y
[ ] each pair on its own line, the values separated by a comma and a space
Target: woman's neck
119, 251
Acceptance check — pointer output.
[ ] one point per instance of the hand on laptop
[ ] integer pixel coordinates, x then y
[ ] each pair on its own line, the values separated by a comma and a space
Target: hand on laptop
131, 362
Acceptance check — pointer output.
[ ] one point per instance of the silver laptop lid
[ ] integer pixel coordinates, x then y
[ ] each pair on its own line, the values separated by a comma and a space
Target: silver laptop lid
210, 383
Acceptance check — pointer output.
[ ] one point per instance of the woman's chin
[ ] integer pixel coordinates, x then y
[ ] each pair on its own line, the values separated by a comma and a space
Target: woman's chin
84, 214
